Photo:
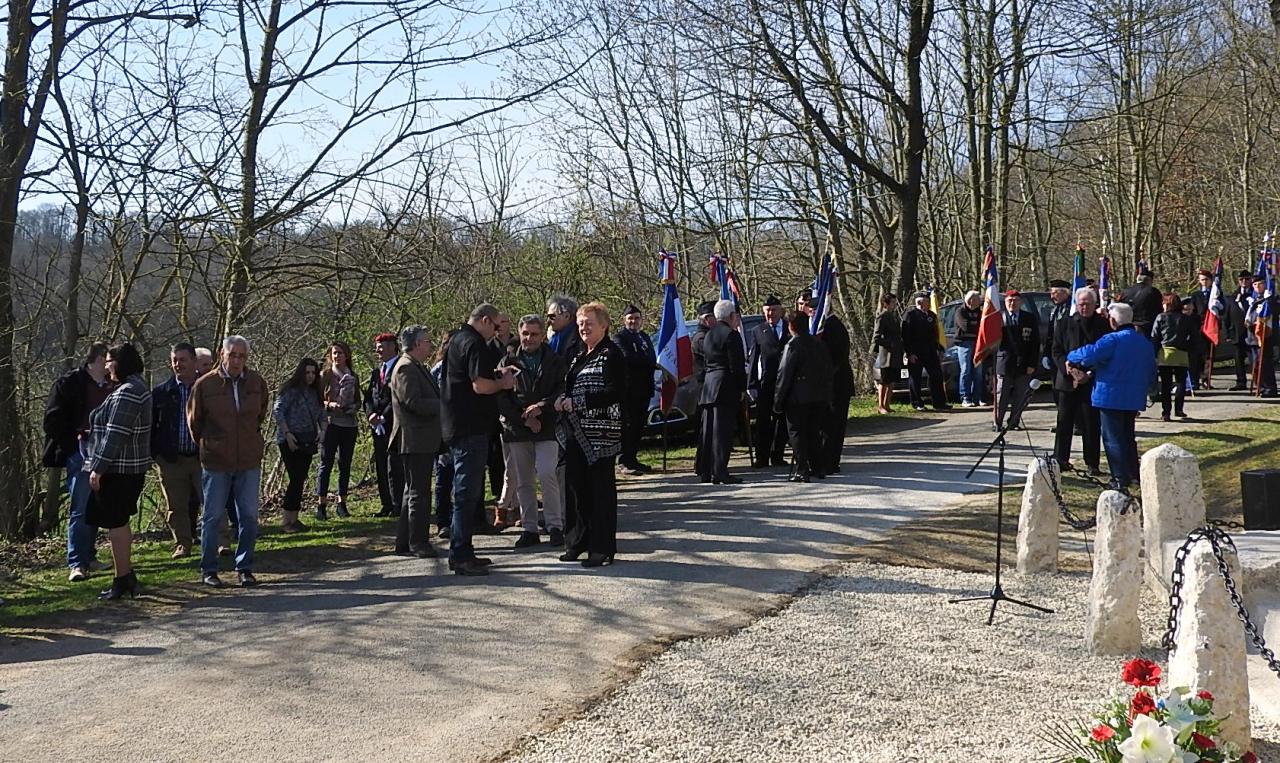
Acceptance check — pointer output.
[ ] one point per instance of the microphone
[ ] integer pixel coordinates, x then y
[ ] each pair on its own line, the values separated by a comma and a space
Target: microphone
1035, 384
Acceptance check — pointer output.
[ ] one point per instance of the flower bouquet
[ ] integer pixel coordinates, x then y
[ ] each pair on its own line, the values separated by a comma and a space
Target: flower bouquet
1176, 727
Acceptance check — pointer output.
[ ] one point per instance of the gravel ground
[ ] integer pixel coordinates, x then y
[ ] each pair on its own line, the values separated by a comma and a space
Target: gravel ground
872, 664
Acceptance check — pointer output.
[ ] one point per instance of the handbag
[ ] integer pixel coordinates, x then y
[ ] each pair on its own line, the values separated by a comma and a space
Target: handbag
307, 447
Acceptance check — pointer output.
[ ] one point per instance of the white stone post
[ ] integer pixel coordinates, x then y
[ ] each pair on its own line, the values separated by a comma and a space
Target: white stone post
1038, 520
1172, 506
1209, 653
1111, 625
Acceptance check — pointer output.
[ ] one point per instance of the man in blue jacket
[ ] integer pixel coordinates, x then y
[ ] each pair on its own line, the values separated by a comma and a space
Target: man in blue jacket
1122, 365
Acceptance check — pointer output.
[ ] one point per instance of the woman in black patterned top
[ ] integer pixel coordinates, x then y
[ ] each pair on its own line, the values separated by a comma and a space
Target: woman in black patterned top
591, 434
117, 458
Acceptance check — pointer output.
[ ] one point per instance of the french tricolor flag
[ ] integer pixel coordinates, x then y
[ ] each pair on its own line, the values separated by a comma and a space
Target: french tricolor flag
674, 351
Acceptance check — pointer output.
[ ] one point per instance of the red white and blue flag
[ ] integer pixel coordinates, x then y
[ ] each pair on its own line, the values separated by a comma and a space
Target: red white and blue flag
822, 288
1212, 328
991, 326
674, 351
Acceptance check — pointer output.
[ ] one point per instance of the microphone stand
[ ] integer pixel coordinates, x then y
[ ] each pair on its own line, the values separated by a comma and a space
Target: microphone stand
997, 594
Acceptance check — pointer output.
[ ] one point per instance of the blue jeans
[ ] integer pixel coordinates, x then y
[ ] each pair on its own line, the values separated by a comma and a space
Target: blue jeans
242, 487
1121, 444
971, 377
80, 536
470, 456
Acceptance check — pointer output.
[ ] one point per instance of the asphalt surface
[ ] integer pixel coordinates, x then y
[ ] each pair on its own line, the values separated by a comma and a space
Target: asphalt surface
396, 659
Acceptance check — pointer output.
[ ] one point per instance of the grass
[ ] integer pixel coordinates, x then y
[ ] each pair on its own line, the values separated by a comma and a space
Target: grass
37, 595
964, 537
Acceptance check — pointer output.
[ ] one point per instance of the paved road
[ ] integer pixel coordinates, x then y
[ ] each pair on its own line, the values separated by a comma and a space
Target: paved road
397, 659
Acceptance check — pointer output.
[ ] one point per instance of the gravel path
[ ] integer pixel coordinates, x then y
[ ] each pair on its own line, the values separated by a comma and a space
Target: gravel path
870, 665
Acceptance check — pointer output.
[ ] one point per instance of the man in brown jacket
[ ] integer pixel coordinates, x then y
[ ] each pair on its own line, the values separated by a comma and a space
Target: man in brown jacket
415, 438
225, 413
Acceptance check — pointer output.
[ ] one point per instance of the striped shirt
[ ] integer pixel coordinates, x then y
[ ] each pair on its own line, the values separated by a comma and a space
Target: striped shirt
186, 444
119, 440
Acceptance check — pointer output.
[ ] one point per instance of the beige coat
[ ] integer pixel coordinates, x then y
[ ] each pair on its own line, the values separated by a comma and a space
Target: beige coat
415, 408
229, 436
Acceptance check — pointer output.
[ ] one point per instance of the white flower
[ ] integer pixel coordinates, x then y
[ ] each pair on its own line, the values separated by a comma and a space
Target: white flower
1150, 742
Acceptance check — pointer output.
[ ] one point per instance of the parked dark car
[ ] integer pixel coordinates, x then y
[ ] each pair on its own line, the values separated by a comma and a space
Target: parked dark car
684, 409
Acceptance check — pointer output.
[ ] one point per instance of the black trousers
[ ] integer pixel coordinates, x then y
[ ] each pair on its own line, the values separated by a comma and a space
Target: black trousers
1173, 379
297, 464
929, 364
1244, 369
1267, 379
805, 431
390, 472
339, 442
411, 527
591, 504
837, 421
635, 414
719, 424
497, 468
1075, 409
771, 431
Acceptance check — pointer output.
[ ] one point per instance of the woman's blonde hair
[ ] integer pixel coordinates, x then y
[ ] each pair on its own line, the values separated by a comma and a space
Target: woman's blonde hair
597, 310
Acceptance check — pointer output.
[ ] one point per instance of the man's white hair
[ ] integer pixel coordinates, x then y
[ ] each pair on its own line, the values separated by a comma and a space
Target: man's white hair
724, 308
1121, 313
232, 341
1085, 291
968, 295
204, 352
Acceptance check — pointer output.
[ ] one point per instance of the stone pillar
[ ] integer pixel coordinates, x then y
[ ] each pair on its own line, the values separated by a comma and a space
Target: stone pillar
1038, 520
1209, 652
1172, 506
1111, 624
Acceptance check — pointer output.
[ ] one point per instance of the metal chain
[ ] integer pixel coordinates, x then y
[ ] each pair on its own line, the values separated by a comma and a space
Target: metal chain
1047, 462
1217, 539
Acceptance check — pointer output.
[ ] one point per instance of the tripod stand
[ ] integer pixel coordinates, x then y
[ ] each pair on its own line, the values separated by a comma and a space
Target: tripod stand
997, 591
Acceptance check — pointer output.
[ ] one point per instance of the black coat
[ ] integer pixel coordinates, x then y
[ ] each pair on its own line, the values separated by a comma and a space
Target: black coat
726, 372
1234, 329
1019, 345
920, 332
1072, 333
62, 413
764, 358
1147, 302
1174, 330
640, 361
699, 355
377, 397
888, 334
1056, 316
804, 375
167, 411
541, 385
835, 337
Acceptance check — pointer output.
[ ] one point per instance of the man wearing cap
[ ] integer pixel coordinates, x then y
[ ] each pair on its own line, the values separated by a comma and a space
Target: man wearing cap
1146, 300
1238, 330
920, 340
1015, 360
770, 337
377, 408
835, 337
640, 362
1266, 347
706, 319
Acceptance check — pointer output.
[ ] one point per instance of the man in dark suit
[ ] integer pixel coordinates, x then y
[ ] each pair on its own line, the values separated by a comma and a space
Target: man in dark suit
920, 340
1075, 404
835, 337
377, 408
414, 438
1015, 359
1060, 297
803, 395
762, 380
1146, 300
1238, 332
640, 362
1199, 351
724, 383
706, 320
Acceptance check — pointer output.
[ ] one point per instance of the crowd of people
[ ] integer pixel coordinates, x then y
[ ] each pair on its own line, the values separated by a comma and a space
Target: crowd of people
549, 409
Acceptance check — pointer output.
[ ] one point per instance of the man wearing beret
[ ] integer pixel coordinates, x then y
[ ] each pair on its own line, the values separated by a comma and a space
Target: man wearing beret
770, 337
640, 361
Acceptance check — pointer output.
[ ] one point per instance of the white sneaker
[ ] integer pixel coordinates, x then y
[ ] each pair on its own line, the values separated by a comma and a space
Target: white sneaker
77, 574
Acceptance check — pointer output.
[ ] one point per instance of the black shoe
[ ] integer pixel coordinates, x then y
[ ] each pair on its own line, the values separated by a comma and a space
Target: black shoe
1180, 414
817, 475
341, 510
942, 407
425, 551
597, 560
322, 514
403, 552
570, 556
125, 585
384, 512
759, 464
212, 580
1095, 471
247, 580
802, 478
1239, 387
479, 561
642, 468
444, 532
1053, 430
1165, 417
469, 568
557, 537
528, 540
728, 480
704, 480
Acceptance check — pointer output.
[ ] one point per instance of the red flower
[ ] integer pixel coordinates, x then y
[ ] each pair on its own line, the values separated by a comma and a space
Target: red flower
1248, 757
1205, 695
1102, 733
1202, 741
1140, 672
1142, 704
